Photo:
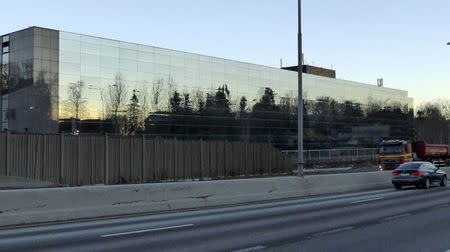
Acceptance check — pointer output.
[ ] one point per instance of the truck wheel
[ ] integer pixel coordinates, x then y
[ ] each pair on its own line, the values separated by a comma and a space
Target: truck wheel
444, 182
398, 186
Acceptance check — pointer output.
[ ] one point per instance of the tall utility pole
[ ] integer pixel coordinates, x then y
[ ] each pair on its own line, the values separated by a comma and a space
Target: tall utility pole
300, 160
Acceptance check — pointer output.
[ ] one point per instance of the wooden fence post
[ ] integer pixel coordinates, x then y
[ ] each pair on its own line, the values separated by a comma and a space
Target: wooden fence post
225, 158
61, 159
119, 173
143, 160
130, 165
93, 180
79, 172
27, 161
269, 156
175, 157
201, 159
43, 167
155, 161
8, 152
106, 168
246, 159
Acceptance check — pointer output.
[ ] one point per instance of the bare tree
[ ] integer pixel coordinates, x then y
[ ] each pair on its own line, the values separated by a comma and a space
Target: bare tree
117, 99
243, 105
156, 93
134, 115
432, 121
435, 110
27, 68
75, 100
445, 106
171, 88
199, 100
143, 96
5, 76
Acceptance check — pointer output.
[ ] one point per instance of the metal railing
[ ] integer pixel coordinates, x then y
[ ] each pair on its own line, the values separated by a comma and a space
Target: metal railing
345, 154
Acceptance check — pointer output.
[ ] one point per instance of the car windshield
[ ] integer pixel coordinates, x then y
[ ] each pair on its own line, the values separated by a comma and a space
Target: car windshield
409, 166
395, 149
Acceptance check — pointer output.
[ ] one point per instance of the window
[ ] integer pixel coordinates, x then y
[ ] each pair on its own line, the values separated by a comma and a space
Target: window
5, 44
5, 59
5, 39
431, 167
423, 168
391, 149
410, 166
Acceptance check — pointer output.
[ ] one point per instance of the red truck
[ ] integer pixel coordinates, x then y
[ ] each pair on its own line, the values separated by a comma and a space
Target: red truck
431, 152
396, 152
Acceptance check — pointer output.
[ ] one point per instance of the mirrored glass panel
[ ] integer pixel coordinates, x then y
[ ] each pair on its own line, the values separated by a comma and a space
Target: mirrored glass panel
195, 96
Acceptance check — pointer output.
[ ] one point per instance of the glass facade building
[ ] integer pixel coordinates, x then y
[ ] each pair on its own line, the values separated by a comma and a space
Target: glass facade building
55, 81
29, 87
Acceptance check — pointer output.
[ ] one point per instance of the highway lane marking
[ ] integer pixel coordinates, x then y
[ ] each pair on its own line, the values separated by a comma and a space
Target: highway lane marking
147, 230
367, 200
251, 249
334, 231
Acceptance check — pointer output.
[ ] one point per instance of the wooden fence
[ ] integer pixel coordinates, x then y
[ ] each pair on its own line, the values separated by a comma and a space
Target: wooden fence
87, 160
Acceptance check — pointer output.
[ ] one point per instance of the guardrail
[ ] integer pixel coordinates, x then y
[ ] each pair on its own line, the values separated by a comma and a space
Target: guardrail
347, 154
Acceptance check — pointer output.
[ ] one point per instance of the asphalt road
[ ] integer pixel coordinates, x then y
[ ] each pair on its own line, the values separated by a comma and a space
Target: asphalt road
383, 220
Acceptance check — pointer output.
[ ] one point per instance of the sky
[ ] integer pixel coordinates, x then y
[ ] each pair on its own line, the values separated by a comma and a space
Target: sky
403, 42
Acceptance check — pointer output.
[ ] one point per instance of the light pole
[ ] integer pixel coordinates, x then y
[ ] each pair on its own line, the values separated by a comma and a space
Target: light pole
300, 160
448, 140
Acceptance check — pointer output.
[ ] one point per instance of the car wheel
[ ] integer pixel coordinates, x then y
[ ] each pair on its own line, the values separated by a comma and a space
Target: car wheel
444, 181
427, 183
398, 187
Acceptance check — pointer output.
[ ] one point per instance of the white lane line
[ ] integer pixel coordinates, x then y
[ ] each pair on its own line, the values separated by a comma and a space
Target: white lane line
397, 217
251, 249
147, 230
367, 200
334, 231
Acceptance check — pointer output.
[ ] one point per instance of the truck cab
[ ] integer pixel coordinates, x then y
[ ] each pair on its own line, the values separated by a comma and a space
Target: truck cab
393, 153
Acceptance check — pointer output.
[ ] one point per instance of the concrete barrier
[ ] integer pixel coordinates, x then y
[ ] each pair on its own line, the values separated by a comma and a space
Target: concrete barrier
339, 183
32, 206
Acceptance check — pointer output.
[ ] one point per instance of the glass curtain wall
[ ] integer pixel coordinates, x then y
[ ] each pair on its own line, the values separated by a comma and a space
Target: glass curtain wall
30, 94
119, 87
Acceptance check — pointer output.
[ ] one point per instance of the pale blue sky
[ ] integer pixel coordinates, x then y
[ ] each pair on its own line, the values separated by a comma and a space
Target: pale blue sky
401, 41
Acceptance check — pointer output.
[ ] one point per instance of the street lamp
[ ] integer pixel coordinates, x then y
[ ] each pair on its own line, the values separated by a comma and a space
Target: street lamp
448, 43
300, 160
